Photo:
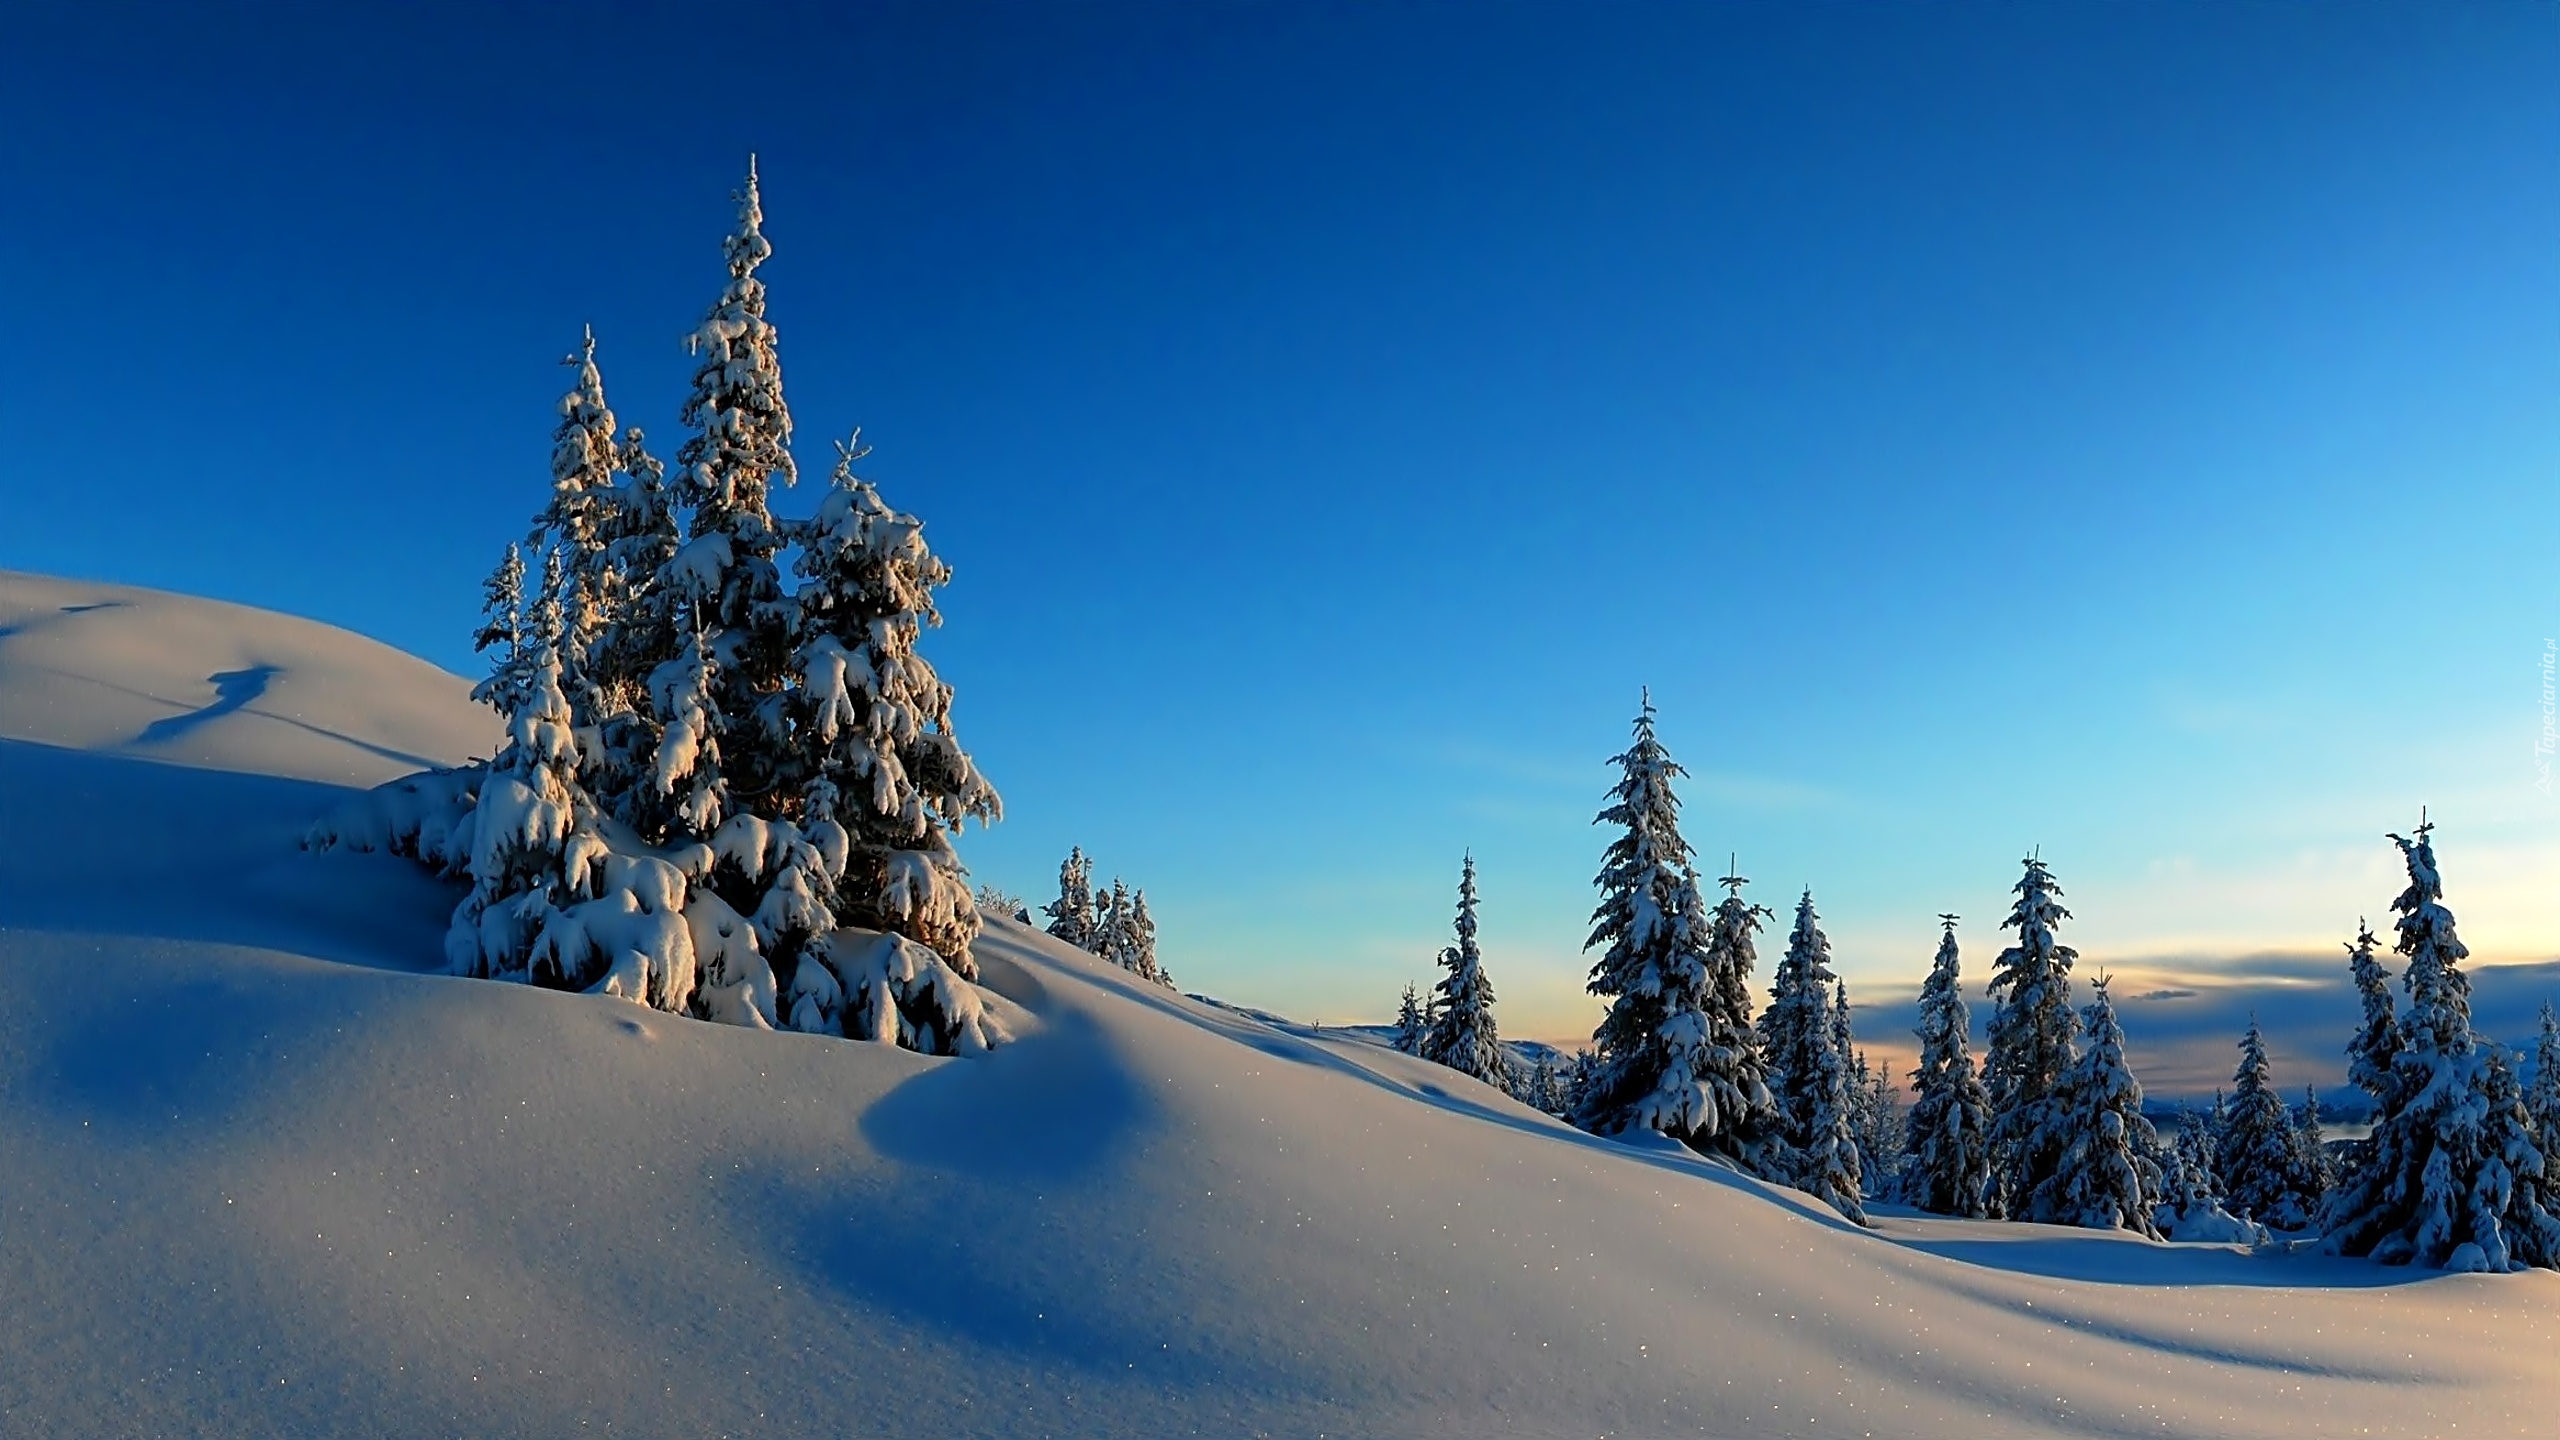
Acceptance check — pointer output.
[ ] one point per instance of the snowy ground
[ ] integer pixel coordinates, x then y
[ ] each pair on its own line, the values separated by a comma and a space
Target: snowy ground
262, 1175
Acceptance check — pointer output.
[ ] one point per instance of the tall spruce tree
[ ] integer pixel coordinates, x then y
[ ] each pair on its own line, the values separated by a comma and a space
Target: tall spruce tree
1672, 1055
2438, 1183
2031, 1047
2106, 1176
740, 445
2259, 1156
1950, 1111
580, 525
1800, 1040
1464, 1038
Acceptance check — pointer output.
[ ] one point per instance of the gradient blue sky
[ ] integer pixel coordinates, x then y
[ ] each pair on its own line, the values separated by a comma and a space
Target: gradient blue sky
2125, 429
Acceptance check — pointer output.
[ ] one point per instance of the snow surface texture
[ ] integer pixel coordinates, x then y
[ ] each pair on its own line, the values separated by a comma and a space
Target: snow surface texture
262, 1174
118, 670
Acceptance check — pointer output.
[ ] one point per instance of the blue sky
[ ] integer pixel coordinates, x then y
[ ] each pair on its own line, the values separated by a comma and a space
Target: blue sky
2125, 430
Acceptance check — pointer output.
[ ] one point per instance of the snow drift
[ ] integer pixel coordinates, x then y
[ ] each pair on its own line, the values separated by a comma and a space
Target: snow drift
262, 1173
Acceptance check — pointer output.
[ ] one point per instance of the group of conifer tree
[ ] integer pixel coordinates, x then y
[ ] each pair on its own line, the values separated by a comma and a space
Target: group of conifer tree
2456, 1172
1784, 1096
720, 793
2050, 1126
1113, 924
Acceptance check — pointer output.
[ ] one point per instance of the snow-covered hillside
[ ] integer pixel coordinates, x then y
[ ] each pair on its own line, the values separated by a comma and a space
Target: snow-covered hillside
261, 1175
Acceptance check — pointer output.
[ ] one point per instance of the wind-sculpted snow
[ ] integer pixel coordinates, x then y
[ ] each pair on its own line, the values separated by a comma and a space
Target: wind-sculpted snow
118, 669
248, 1189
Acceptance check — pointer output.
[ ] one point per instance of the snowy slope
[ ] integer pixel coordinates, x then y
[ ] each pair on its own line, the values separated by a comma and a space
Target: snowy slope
112, 669
247, 1188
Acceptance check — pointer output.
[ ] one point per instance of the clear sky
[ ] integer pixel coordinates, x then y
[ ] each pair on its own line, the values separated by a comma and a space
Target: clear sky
2130, 430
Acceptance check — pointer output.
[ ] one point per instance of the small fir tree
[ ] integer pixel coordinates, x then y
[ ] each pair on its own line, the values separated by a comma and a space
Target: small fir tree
1142, 942
2515, 1183
1407, 1038
686, 784
531, 847
874, 720
2188, 1187
2107, 1177
2311, 1145
1464, 1036
1576, 1080
637, 628
1950, 1124
2542, 1097
580, 525
501, 636
1808, 1071
2031, 1047
1883, 1154
1111, 931
2259, 1157
1071, 915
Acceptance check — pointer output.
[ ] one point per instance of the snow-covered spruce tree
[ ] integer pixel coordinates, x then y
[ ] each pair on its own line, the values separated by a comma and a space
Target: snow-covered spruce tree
1808, 1072
2355, 1190
2107, 1177
1464, 1037
870, 722
1950, 1123
686, 788
501, 636
2259, 1158
1543, 1089
2377, 1039
1875, 1110
2542, 1097
1673, 1054
1408, 1032
1142, 942
636, 628
2437, 1184
1576, 1080
580, 523
2516, 1182
2185, 1177
2031, 1047
1071, 915
1884, 1156
726, 570
873, 718
2311, 1147
2192, 1206
1111, 931
530, 847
